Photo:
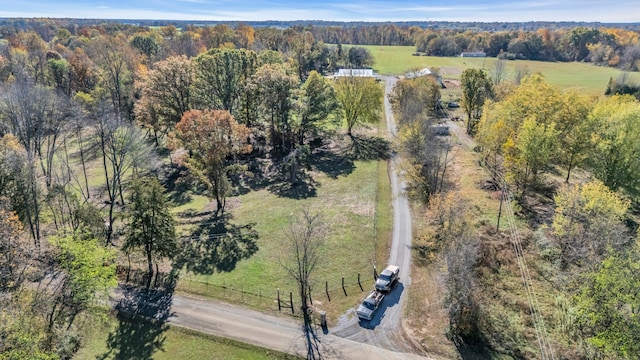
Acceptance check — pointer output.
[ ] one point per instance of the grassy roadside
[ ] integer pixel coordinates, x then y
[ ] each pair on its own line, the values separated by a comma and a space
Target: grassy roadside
133, 339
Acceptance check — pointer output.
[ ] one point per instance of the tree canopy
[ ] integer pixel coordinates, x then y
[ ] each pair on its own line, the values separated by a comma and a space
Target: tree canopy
361, 100
212, 138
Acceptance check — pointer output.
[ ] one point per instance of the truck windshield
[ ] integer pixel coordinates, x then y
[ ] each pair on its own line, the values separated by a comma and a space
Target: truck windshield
368, 305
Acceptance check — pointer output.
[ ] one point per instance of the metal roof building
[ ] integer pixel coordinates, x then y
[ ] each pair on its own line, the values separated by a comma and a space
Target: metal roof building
355, 72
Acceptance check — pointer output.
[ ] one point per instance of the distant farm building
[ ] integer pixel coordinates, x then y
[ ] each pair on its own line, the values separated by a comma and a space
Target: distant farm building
474, 54
355, 73
418, 73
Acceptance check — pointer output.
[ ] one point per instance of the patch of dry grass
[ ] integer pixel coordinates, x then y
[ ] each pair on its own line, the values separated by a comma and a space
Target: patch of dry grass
427, 319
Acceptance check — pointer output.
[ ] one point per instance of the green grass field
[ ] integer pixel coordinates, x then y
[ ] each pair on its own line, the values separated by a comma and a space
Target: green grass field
130, 339
397, 60
357, 235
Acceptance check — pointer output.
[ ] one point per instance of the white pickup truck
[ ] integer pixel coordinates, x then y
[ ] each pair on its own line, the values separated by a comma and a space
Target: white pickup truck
387, 278
369, 305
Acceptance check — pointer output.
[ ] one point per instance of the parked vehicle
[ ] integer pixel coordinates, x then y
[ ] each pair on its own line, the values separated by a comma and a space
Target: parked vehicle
369, 305
387, 278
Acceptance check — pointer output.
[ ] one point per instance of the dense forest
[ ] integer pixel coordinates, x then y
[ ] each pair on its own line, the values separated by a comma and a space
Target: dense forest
151, 108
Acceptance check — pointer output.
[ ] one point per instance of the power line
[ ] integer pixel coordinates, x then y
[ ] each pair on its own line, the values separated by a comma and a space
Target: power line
546, 350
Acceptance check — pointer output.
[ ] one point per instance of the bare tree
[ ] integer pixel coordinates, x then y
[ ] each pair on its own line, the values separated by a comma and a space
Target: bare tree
461, 257
35, 115
522, 71
305, 238
497, 73
124, 152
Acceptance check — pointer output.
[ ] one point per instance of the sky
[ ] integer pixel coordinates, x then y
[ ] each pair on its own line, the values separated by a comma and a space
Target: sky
605, 11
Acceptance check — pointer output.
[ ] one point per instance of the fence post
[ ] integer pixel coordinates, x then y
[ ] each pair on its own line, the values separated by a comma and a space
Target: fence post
343, 288
279, 306
359, 283
291, 300
326, 289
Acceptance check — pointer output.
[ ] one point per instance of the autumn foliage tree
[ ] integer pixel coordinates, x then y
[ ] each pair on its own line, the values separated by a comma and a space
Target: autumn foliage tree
476, 89
614, 147
166, 95
14, 250
415, 99
532, 128
212, 138
361, 100
588, 221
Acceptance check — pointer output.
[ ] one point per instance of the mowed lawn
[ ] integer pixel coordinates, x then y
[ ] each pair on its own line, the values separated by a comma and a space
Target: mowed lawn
592, 79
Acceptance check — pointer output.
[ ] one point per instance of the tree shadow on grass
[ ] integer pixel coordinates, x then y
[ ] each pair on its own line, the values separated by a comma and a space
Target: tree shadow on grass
142, 316
292, 175
370, 148
333, 163
216, 245
301, 189
177, 184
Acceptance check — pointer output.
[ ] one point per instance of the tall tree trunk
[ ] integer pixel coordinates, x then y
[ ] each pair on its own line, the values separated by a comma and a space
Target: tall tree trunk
150, 263
569, 169
36, 205
84, 165
110, 190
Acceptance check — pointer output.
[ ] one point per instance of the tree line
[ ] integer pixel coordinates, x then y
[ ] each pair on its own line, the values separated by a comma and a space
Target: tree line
614, 45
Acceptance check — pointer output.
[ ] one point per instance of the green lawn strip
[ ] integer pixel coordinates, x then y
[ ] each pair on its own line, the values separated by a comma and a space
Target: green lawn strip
145, 340
397, 60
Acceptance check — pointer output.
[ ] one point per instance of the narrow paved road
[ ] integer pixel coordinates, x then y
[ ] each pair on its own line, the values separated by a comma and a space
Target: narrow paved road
381, 338
385, 330
274, 332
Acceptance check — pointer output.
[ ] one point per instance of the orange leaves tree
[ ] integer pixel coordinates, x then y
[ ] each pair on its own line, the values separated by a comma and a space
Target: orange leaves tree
212, 138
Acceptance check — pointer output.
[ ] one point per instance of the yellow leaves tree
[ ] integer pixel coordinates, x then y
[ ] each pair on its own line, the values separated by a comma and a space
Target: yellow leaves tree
14, 249
614, 147
361, 100
535, 126
588, 219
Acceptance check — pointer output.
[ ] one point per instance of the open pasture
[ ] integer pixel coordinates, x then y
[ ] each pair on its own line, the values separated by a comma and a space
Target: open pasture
396, 60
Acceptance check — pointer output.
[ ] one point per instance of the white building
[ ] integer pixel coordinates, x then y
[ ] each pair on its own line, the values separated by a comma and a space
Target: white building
355, 72
418, 73
474, 54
